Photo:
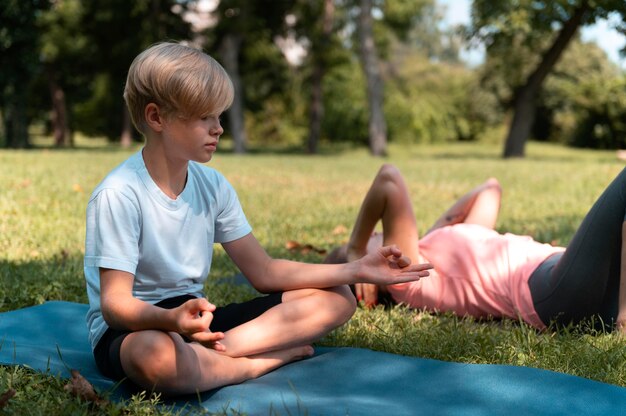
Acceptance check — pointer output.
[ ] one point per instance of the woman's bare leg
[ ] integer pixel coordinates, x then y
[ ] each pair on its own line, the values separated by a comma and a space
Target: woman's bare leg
388, 201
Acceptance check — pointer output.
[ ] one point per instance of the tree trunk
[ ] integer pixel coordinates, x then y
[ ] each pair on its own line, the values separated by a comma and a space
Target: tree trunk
371, 67
230, 48
317, 98
58, 117
15, 124
126, 138
524, 101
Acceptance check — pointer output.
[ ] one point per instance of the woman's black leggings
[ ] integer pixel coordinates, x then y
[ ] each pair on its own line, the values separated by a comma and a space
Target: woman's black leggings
584, 280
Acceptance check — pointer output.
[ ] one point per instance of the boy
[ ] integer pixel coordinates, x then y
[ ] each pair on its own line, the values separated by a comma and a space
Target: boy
151, 225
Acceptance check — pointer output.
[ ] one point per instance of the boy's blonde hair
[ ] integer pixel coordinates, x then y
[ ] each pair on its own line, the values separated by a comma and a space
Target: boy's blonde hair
181, 80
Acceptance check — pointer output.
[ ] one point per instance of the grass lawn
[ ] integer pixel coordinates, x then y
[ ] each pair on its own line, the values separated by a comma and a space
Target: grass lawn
312, 200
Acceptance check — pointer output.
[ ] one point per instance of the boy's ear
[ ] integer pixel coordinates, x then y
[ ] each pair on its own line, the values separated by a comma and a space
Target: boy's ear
153, 116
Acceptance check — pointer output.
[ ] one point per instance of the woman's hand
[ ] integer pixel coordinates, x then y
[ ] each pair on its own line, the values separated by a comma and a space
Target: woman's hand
620, 324
368, 293
193, 319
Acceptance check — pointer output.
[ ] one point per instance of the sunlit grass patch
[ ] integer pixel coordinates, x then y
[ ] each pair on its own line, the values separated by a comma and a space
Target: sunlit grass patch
312, 200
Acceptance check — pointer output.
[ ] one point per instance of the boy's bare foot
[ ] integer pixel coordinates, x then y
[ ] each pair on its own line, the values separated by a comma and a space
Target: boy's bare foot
265, 362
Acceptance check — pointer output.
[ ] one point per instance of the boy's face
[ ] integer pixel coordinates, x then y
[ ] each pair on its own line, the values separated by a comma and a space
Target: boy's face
192, 138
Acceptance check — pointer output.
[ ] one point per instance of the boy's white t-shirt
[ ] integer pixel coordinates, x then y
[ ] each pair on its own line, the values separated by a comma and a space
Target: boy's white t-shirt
166, 244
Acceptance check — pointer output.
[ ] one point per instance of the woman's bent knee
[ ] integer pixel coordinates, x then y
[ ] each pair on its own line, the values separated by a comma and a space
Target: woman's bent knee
389, 172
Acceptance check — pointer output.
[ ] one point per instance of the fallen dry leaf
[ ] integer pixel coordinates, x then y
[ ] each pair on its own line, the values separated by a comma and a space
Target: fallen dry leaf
5, 397
340, 229
23, 184
303, 248
78, 386
292, 245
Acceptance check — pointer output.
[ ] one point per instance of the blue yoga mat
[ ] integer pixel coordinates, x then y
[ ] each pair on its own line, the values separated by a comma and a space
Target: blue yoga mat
336, 381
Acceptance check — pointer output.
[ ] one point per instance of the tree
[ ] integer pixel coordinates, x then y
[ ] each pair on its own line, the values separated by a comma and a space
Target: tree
241, 23
500, 23
397, 18
374, 82
320, 38
62, 45
19, 64
117, 33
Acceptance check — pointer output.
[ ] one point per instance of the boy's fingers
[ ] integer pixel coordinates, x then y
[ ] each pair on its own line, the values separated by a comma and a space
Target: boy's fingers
218, 346
203, 304
422, 266
393, 250
410, 277
207, 337
403, 262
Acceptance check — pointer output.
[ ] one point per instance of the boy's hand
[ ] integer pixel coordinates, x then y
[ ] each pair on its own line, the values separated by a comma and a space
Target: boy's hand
193, 319
388, 266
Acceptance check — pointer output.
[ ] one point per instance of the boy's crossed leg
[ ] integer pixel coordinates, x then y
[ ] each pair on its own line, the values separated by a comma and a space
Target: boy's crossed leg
164, 361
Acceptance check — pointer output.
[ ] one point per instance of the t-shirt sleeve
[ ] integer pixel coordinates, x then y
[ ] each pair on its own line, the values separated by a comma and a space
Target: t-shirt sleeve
231, 222
113, 229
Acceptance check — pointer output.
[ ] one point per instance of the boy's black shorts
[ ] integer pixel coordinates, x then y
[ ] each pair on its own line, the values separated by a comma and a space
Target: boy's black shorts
107, 352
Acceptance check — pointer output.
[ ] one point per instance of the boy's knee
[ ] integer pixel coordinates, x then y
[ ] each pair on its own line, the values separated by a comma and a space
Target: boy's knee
150, 361
345, 304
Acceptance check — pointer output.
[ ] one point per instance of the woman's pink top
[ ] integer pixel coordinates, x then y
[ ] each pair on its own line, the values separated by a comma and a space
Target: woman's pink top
478, 272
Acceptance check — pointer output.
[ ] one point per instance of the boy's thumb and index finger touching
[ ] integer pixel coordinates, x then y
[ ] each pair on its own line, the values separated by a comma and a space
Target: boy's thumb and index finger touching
200, 305
394, 254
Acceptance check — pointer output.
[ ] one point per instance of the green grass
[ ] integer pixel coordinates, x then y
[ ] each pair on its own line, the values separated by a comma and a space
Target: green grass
43, 195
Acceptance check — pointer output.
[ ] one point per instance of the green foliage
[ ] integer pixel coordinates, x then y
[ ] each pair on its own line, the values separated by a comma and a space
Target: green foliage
345, 104
88, 114
524, 40
19, 64
583, 100
401, 15
602, 106
503, 21
436, 101
123, 32
86, 48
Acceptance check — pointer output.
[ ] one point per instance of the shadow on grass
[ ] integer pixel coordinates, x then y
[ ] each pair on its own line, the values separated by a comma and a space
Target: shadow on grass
33, 282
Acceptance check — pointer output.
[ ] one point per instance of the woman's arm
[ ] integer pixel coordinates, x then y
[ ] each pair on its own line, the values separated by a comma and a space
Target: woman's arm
481, 206
386, 266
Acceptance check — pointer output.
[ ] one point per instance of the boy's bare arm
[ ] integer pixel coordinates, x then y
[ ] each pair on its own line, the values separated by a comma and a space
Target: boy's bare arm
387, 266
121, 310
